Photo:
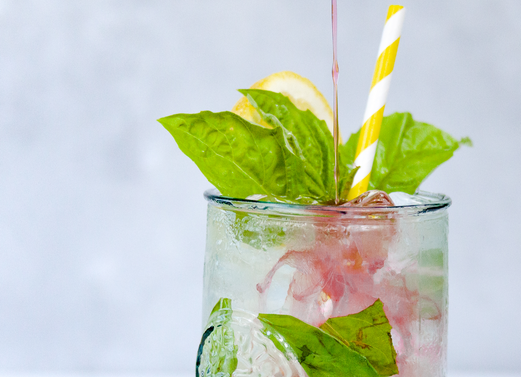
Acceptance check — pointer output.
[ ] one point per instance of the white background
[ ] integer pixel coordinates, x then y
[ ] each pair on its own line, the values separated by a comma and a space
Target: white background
102, 220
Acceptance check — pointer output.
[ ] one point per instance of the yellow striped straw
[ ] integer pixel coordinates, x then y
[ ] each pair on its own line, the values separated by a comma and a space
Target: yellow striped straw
374, 110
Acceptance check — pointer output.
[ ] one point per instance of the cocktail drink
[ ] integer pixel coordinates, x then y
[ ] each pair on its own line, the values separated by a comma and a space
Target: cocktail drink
323, 259
295, 290
298, 283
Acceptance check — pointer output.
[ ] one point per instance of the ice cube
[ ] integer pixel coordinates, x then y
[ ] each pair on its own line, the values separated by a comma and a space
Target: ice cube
372, 198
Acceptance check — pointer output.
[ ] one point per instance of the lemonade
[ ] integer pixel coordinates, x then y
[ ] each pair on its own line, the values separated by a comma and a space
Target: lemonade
295, 278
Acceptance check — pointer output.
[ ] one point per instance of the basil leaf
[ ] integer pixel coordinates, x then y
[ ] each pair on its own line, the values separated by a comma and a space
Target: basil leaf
346, 180
408, 151
368, 333
312, 135
240, 158
223, 303
320, 354
217, 351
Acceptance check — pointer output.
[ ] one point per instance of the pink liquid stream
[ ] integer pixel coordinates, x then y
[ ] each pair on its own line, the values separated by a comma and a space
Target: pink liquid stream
336, 135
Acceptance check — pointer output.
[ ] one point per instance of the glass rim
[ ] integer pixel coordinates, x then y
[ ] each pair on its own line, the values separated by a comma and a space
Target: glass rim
438, 202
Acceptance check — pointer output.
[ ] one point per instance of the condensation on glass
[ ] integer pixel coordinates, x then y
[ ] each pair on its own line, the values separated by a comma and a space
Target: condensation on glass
316, 262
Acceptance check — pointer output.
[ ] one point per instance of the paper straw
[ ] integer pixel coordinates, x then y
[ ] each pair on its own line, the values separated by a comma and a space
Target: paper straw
374, 111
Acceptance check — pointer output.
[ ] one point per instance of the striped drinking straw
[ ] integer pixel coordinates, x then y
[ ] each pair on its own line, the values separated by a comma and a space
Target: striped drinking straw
374, 111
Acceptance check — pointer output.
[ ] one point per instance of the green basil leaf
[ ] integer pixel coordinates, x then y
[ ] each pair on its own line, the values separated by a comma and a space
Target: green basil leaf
407, 152
368, 333
320, 354
217, 350
346, 180
240, 158
223, 303
312, 136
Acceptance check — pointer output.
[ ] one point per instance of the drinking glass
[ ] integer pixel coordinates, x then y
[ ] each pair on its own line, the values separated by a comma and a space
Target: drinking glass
311, 264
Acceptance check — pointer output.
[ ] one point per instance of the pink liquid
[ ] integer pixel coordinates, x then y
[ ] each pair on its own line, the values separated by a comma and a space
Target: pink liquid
335, 95
351, 263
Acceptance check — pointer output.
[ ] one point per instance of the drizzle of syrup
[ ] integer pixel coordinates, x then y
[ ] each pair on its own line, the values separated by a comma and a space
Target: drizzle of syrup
336, 135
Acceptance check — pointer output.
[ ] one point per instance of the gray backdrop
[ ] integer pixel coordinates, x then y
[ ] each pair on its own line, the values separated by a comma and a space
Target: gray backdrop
102, 219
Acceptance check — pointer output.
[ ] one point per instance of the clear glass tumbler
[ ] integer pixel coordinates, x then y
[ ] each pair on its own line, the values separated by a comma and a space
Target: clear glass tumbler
292, 290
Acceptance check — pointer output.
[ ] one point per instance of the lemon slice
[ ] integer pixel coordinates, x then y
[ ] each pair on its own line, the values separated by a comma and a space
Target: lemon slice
300, 91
